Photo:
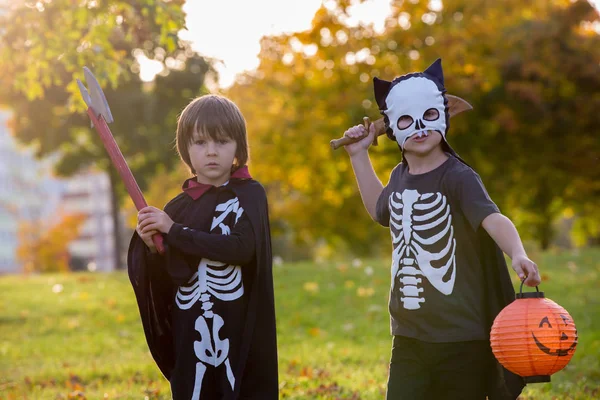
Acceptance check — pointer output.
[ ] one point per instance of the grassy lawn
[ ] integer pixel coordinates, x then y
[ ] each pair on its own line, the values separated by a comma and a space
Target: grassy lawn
79, 336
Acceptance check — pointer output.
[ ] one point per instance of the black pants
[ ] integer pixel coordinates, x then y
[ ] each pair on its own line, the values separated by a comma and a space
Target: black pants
422, 371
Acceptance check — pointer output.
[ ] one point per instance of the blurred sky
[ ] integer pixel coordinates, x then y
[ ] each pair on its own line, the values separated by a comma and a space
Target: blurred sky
230, 30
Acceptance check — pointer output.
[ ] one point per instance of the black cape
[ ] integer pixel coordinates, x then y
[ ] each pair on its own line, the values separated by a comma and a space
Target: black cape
502, 384
256, 372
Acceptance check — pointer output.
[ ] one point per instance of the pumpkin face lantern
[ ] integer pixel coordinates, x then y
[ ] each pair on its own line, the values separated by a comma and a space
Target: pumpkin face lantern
533, 337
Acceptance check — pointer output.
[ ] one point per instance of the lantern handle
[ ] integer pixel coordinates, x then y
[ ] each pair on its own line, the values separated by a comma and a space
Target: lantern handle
522, 295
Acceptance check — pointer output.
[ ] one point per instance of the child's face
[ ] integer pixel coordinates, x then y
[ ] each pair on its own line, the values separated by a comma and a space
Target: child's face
212, 159
424, 145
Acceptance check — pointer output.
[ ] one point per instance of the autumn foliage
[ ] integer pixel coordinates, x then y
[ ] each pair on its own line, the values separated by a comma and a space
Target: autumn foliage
46, 249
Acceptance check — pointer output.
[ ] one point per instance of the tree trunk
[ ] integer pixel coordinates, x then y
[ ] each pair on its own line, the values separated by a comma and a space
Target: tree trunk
544, 229
546, 234
115, 207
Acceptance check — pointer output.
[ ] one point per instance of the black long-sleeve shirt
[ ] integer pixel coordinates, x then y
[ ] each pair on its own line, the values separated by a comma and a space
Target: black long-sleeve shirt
237, 248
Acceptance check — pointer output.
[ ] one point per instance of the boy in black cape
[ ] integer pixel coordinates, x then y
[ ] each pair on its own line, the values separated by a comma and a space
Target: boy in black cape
449, 277
207, 303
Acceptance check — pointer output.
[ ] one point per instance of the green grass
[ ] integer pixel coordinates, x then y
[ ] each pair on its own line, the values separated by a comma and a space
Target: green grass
86, 341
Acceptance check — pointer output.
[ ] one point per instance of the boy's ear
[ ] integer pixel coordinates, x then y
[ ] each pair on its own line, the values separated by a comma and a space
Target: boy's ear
382, 88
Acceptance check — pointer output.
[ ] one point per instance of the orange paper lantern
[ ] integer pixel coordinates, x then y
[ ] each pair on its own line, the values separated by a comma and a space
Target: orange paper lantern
533, 337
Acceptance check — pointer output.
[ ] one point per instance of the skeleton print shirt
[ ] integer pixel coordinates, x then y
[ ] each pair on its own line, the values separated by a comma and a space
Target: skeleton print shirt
437, 291
210, 307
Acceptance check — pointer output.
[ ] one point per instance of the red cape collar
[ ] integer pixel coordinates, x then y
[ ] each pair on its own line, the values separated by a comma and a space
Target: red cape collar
196, 189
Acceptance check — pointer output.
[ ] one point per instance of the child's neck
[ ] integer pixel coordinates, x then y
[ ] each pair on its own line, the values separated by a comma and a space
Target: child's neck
422, 163
214, 182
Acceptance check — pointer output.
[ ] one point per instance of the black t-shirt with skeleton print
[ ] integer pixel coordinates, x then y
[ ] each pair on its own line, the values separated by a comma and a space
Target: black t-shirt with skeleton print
437, 291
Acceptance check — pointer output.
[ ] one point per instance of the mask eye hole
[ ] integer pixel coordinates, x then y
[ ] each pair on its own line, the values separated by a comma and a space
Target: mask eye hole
431, 115
404, 122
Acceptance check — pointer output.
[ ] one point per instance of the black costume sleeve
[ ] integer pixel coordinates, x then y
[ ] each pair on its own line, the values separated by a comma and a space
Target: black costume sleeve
237, 248
475, 201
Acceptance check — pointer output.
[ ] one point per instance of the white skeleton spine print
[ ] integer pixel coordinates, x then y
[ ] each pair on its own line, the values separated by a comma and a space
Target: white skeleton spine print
424, 245
219, 280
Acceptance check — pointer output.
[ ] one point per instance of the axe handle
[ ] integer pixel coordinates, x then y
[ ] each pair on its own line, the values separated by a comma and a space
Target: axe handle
121, 165
344, 140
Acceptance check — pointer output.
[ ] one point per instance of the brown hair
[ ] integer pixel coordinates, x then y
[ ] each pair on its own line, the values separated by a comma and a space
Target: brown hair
216, 117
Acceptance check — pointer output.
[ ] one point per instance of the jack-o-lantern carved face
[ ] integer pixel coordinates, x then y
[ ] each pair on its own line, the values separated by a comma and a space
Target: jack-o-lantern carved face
533, 337
565, 325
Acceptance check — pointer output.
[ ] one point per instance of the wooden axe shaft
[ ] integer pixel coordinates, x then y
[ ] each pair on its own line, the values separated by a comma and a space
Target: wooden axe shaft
344, 140
121, 165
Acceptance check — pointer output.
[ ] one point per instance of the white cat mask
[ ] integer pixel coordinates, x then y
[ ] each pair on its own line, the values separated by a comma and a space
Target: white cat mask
415, 103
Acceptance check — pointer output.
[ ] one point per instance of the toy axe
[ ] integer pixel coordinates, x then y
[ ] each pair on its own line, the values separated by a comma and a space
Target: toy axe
456, 105
101, 116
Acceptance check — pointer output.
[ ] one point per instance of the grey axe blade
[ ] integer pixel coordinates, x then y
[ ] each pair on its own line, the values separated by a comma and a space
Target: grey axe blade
94, 98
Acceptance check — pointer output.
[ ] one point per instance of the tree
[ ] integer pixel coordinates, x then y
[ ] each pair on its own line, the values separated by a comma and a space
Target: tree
545, 108
303, 94
43, 62
311, 86
45, 248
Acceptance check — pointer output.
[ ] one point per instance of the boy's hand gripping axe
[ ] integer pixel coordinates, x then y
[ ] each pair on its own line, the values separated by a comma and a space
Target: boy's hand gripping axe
100, 114
456, 105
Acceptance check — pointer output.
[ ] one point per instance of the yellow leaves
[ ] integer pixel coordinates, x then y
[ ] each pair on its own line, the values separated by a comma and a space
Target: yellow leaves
315, 332
469, 69
76, 386
299, 177
111, 303
311, 287
332, 197
365, 292
73, 323
152, 393
45, 249
527, 13
342, 268
76, 395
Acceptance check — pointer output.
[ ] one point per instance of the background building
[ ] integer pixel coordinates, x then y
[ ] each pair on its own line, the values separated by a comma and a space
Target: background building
26, 193
29, 192
89, 193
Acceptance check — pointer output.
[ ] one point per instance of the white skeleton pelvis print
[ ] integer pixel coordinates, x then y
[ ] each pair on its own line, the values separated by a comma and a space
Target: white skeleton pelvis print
424, 245
218, 280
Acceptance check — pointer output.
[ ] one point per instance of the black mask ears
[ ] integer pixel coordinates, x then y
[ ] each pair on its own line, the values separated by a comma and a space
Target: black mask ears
382, 88
435, 70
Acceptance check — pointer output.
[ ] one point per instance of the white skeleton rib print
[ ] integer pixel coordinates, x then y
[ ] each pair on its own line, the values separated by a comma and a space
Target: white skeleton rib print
222, 281
412, 216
